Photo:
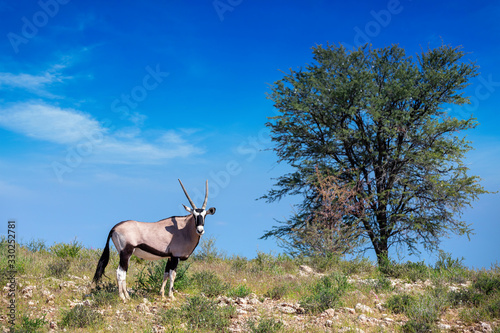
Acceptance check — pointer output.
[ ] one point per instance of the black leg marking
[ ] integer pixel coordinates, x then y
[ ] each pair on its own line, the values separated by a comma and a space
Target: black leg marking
125, 255
171, 264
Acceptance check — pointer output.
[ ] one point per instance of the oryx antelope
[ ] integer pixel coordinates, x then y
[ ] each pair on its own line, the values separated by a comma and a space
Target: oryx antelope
174, 238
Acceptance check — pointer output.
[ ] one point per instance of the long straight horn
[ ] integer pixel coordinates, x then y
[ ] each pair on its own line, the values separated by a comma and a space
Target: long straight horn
187, 195
206, 196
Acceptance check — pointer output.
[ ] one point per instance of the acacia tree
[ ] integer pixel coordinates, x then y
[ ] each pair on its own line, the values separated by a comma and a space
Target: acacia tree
378, 117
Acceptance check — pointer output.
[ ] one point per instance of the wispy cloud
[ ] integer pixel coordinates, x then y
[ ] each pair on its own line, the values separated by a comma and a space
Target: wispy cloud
48, 123
73, 128
37, 84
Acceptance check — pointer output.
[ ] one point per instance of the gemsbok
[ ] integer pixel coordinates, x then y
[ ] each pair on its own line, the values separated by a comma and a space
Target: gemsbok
174, 238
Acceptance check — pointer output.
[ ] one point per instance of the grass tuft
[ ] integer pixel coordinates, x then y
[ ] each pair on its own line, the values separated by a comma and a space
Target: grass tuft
80, 317
325, 294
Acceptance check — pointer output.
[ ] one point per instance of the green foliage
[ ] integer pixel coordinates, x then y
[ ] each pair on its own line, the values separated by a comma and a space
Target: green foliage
58, 268
150, 278
268, 262
200, 314
376, 117
383, 284
239, 291
264, 325
423, 311
104, 295
37, 245
413, 271
239, 264
7, 250
423, 314
207, 250
277, 292
487, 283
66, 251
30, 325
80, 317
481, 299
399, 303
210, 284
325, 294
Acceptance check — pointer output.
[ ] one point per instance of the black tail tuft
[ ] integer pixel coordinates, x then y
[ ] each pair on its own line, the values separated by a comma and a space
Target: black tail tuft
103, 261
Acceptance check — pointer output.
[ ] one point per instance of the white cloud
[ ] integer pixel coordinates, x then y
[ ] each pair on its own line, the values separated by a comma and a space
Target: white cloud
36, 84
78, 129
48, 123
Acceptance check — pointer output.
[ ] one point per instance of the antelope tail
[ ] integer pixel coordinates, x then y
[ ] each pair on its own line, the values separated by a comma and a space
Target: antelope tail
103, 261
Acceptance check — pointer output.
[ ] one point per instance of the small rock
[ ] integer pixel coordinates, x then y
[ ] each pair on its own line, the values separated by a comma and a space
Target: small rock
53, 325
349, 310
329, 313
287, 309
28, 291
486, 327
143, 308
444, 326
241, 301
329, 323
363, 308
306, 269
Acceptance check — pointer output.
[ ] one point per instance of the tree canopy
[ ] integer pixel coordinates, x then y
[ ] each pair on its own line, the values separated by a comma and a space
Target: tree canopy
376, 119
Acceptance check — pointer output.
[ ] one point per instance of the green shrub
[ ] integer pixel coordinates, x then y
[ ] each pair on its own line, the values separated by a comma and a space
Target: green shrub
268, 262
81, 316
150, 278
200, 313
207, 250
423, 311
277, 292
446, 262
486, 283
383, 283
58, 268
239, 264
104, 295
412, 271
65, 251
423, 315
239, 291
30, 325
264, 325
399, 303
209, 283
326, 293
37, 245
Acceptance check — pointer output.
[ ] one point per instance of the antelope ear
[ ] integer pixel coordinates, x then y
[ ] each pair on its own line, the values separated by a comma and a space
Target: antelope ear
188, 209
211, 211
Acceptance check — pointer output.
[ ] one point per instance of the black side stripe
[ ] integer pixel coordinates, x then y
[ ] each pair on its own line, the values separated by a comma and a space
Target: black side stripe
153, 251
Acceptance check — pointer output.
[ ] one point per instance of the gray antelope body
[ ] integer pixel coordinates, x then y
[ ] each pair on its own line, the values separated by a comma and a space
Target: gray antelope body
174, 238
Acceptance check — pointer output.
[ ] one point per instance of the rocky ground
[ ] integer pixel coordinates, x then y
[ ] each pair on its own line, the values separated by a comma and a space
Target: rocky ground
36, 298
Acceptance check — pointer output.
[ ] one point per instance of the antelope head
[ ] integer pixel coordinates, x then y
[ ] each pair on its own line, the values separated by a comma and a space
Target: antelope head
199, 214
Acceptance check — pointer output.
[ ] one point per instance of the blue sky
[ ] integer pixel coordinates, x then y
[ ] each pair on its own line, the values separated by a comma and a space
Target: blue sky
104, 105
